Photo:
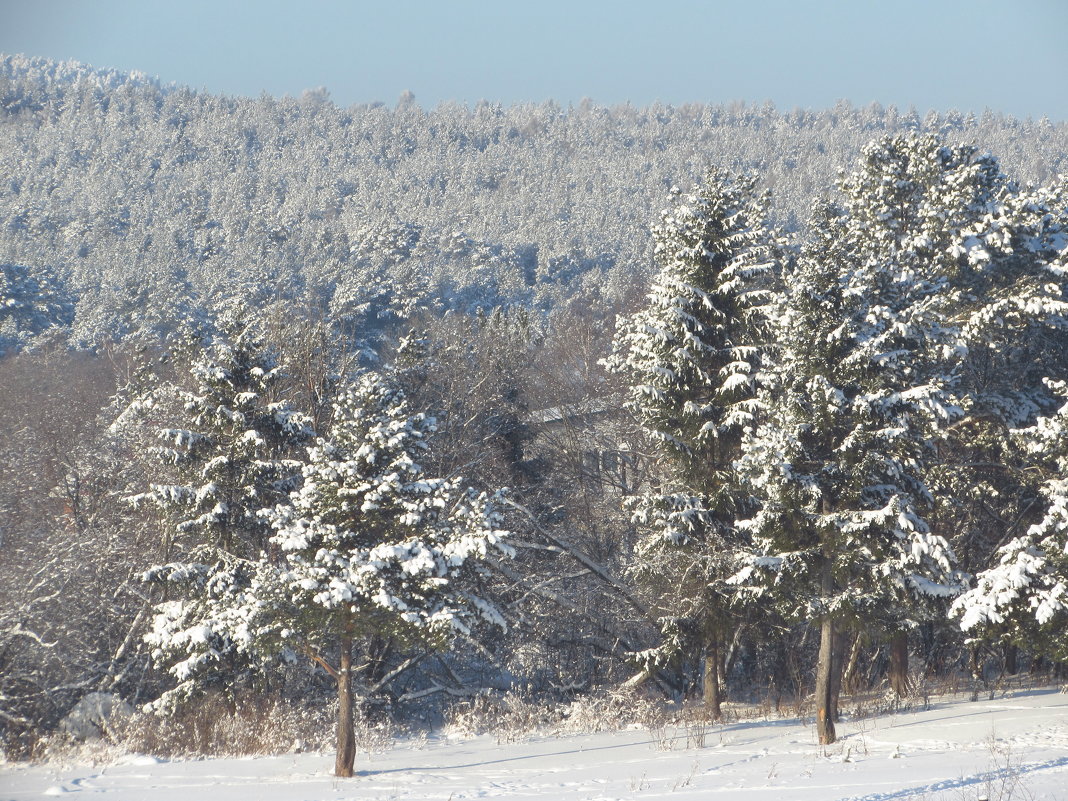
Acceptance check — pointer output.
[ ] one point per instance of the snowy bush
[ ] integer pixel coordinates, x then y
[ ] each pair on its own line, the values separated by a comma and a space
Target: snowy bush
96, 715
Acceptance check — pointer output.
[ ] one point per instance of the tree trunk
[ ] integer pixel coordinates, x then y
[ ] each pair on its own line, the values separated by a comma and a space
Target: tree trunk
1012, 662
851, 675
346, 734
899, 664
825, 712
1038, 664
825, 684
837, 668
711, 683
976, 666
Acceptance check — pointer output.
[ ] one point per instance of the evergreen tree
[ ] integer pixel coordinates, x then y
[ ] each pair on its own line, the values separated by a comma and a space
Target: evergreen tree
690, 358
838, 462
367, 546
233, 457
1017, 364
1001, 303
1022, 599
370, 546
234, 454
31, 301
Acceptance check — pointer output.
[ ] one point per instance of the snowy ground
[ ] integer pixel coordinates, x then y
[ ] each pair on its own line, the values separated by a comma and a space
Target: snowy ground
1012, 747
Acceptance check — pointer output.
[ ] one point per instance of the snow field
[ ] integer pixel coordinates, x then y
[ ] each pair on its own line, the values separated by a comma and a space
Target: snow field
1009, 748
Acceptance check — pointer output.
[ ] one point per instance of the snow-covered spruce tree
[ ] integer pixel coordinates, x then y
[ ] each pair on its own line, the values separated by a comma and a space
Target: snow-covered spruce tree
234, 453
1022, 599
231, 450
859, 392
1017, 371
370, 546
690, 358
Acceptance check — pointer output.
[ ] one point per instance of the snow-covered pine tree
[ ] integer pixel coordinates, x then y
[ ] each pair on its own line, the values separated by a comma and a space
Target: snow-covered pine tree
379, 280
912, 209
1003, 312
1022, 599
690, 357
859, 391
1017, 382
369, 545
232, 449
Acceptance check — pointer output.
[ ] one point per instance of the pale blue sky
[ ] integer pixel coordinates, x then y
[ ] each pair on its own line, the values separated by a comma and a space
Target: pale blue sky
1009, 55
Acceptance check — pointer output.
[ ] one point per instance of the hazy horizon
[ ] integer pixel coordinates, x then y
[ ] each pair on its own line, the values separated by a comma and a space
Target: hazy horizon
958, 55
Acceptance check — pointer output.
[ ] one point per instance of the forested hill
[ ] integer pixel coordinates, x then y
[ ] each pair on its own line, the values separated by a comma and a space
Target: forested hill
126, 204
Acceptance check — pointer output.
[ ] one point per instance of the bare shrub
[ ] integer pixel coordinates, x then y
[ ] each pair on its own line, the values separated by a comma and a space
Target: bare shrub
1005, 779
613, 710
253, 725
695, 722
512, 717
509, 716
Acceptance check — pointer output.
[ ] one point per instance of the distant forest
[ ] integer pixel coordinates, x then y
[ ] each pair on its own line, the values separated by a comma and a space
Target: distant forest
123, 195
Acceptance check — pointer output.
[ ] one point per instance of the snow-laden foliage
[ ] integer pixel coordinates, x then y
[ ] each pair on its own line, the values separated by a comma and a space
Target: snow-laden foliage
231, 450
689, 354
1023, 596
206, 635
861, 386
367, 545
382, 281
30, 303
845, 414
232, 446
1007, 467
369, 540
1009, 335
158, 200
690, 357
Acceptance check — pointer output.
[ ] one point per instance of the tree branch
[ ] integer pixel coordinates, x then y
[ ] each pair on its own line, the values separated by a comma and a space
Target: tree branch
382, 682
575, 553
314, 656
